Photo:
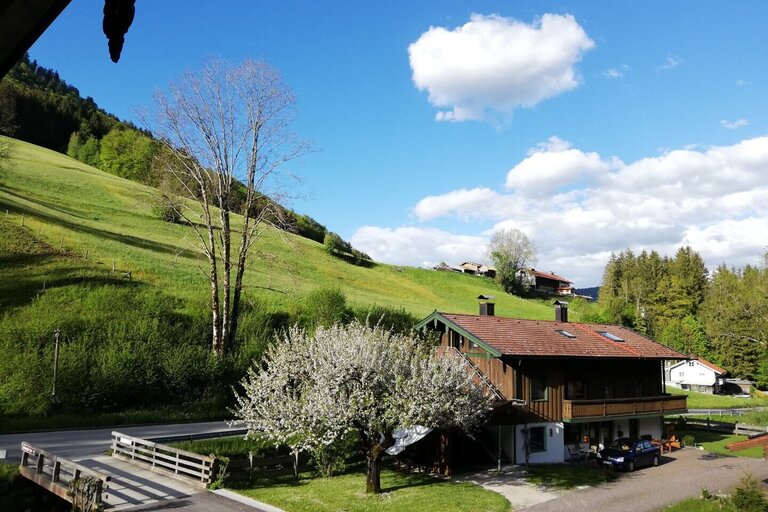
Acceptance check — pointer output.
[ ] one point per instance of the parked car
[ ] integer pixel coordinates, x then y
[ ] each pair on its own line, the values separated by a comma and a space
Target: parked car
628, 454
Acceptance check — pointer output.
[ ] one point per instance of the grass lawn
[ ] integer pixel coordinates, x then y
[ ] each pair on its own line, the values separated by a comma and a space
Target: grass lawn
225, 446
715, 442
707, 401
700, 505
403, 492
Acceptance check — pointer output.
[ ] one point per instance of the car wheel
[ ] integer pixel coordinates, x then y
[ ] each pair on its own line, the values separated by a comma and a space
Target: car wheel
655, 460
631, 466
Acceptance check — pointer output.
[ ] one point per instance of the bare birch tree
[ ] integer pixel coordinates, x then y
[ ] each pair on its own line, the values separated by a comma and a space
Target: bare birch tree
313, 390
227, 131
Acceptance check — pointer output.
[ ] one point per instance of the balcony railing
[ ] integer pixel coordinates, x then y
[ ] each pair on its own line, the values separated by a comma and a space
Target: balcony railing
667, 404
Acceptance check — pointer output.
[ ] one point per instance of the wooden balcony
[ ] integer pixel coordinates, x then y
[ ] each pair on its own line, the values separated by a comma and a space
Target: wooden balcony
617, 407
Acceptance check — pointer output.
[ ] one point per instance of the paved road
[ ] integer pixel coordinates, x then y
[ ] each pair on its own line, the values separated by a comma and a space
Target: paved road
78, 444
132, 487
683, 474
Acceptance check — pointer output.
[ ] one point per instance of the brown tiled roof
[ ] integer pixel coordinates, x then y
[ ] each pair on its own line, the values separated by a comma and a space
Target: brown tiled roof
547, 275
540, 338
711, 366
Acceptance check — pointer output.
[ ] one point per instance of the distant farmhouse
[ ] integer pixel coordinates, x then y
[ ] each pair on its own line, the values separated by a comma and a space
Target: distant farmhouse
546, 282
469, 267
695, 375
698, 374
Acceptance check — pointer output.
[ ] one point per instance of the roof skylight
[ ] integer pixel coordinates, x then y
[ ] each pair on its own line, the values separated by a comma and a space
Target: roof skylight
611, 336
566, 333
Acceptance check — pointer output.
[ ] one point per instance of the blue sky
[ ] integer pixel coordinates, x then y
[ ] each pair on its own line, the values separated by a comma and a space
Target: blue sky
591, 126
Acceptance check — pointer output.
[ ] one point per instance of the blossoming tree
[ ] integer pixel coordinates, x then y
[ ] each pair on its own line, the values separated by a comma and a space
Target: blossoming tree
314, 389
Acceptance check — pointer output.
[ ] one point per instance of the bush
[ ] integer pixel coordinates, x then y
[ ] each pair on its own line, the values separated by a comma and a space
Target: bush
330, 460
167, 208
747, 496
324, 307
689, 440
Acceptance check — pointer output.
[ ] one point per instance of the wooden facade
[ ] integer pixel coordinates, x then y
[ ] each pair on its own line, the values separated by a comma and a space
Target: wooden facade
572, 389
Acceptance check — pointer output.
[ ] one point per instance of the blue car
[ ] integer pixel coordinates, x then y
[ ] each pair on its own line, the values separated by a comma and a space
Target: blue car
628, 454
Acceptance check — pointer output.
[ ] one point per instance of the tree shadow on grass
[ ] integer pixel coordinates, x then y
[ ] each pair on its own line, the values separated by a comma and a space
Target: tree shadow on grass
141, 243
25, 276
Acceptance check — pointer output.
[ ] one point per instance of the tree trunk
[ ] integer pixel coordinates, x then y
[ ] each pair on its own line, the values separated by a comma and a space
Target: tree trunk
373, 479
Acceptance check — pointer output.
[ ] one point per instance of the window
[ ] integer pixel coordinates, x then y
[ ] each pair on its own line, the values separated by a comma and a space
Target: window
575, 389
610, 336
566, 333
538, 388
537, 439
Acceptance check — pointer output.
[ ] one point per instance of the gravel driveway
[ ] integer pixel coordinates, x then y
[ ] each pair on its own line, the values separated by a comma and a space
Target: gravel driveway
681, 475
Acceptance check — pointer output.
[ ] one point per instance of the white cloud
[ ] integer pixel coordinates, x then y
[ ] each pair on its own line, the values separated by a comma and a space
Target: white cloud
579, 206
555, 165
616, 72
423, 247
732, 125
472, 203
670, 63
494, 65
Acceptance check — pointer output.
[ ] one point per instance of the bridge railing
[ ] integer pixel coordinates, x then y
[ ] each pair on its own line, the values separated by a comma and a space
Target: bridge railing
55, 473
163, 458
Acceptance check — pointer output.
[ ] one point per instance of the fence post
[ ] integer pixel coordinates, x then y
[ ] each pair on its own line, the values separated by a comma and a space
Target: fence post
56, 471
40, 462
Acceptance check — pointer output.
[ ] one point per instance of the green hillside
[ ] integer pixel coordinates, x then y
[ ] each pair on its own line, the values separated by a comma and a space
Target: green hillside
72, 209
140, 347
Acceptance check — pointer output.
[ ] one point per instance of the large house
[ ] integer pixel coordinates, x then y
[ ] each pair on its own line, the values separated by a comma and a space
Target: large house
560, 386
546, 282
696, 374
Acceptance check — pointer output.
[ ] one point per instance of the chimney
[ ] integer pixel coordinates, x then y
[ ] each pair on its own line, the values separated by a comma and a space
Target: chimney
561, 311
486, 305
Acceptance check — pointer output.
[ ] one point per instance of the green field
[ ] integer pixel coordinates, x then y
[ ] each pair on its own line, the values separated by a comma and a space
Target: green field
708, 401
70, 209
402, 492
70, 235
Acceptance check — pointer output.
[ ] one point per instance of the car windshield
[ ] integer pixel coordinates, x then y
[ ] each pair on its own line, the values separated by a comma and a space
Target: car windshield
622, 443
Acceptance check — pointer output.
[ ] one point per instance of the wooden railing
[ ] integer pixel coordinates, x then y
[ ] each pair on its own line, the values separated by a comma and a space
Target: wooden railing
55, 474
163, 458
575, 409
480, 378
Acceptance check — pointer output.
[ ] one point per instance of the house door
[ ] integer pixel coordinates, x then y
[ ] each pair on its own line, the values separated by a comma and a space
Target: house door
634, 431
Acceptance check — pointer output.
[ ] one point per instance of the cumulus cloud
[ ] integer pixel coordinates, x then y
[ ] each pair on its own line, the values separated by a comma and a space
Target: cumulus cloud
554, 165
732, 125
493, 65
579, 206
422, 247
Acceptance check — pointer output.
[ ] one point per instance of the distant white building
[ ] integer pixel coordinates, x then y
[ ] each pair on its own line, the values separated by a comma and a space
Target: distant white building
695, 374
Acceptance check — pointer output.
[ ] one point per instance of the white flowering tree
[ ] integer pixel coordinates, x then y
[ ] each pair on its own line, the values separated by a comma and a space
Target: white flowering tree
314, 389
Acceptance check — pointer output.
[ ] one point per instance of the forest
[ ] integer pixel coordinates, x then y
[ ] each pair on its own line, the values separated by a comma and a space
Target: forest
722, 316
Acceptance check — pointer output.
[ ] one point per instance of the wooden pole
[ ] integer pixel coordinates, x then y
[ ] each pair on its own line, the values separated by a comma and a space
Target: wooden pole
22, 221
56, 334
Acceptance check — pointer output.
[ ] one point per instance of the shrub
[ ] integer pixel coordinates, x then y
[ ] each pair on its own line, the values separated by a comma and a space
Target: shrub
167, 208
329, 460
689, 440
324, 307
747, 496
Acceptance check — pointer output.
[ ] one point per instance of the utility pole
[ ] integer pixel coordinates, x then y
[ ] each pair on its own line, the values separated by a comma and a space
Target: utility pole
56, 335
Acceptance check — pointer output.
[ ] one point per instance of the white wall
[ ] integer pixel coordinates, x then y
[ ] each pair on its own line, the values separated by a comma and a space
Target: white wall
554, 442
695, 375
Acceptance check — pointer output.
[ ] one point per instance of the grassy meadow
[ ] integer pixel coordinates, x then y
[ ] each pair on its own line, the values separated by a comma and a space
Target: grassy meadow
70, 235
71, 209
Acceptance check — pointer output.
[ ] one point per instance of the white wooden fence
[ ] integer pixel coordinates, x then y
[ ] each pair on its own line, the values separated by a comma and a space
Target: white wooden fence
163, 458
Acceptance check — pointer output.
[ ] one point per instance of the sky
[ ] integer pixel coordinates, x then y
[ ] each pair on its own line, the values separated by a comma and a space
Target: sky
593, 127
